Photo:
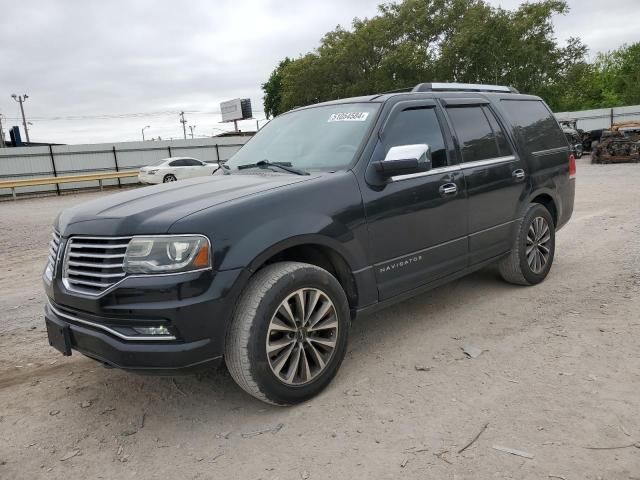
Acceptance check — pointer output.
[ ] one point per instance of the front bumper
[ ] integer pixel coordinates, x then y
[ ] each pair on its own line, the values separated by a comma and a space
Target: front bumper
130, 355
150, 179
195, 308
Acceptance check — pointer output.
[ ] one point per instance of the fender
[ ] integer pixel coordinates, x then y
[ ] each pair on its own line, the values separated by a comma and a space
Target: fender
543, 191
280, 233
300, 240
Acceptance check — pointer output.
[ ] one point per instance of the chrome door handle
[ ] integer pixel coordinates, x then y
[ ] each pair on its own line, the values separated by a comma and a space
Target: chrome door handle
448, 189
518, 174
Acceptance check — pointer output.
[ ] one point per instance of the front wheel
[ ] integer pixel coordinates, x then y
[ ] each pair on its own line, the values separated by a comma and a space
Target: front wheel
169, 178
533, 249
289, 333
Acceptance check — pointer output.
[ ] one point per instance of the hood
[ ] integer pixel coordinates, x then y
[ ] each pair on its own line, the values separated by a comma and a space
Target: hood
154, 209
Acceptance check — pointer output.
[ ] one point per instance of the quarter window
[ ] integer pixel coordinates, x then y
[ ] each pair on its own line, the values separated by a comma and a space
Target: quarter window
417, 125
476, 137
534, 124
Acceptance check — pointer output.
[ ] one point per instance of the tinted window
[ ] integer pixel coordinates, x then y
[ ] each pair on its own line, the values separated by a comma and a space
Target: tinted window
190, 162
417, 125
534, 124
475, 136
501, 139
176, 163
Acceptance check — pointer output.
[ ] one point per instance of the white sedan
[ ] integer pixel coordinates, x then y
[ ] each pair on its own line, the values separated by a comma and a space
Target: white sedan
175, 168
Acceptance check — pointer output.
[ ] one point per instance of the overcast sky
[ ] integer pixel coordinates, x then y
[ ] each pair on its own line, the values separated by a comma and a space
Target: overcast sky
81, 59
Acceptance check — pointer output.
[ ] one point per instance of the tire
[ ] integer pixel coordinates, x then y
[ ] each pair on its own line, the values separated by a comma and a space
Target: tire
516, 267
252, 332
595, 152
169, 178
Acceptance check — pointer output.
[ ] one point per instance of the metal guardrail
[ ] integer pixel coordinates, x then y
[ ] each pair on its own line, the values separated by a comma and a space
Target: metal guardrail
68, 160
32, 182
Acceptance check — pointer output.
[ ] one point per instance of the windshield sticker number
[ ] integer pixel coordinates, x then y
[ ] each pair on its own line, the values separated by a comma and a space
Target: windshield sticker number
349, 117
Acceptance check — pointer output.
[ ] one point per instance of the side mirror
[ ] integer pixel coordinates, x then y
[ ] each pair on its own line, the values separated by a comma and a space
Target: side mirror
404, 160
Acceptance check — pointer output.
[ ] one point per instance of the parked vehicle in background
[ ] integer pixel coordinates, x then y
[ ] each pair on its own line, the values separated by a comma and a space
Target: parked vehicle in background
330, 212
175, 168
575, 141
620, 144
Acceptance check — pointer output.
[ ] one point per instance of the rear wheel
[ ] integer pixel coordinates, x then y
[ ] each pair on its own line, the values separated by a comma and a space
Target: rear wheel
169, 178
289, 333
533, 250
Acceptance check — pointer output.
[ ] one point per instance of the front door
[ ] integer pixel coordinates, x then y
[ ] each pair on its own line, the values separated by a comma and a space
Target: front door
494, 174
417, 222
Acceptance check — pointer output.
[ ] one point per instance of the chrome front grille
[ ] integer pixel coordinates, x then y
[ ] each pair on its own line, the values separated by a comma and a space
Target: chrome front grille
54, 245
93, 264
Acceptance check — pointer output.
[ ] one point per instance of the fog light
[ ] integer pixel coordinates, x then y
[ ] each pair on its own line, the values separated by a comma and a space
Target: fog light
152, 330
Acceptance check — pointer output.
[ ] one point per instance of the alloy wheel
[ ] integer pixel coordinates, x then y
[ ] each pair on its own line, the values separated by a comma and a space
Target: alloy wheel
302, 336
538, 244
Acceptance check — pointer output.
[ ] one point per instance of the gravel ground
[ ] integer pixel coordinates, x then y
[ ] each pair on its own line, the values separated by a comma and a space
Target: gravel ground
559, 373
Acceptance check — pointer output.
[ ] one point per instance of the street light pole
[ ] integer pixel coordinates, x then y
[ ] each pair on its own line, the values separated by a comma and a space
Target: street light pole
143, 129
20, 99
2, 144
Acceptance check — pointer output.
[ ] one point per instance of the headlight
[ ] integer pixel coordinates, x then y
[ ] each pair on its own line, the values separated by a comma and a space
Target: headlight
152, 172
167, 254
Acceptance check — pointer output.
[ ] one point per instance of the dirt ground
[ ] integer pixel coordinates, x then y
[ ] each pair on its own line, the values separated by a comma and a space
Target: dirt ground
559, 374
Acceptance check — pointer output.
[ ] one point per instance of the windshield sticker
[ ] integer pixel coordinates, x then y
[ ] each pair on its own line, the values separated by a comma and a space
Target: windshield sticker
349, 117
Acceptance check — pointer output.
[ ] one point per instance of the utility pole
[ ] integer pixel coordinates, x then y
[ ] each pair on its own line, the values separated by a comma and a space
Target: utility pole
143, 129
191, 129
2, 144
21, 99
184, 125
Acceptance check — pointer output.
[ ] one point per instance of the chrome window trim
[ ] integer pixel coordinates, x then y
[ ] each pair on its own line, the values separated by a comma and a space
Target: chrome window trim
110, 330
454, 168
550, 151
488, 161
433, 171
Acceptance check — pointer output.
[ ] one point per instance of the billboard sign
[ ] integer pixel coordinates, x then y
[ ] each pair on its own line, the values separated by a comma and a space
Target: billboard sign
231, 110
236, 109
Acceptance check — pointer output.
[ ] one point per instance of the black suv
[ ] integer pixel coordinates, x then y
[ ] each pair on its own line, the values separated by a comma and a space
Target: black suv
331, 211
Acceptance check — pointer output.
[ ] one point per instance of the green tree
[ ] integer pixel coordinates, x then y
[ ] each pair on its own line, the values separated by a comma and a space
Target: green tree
612, 80
273, 90
623, 71
442, 40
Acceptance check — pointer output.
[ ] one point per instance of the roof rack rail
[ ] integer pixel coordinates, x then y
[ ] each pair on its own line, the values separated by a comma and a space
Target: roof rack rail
397, 90
462, 87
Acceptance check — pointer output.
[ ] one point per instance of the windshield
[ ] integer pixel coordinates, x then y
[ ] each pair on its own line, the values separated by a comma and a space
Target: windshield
315, 138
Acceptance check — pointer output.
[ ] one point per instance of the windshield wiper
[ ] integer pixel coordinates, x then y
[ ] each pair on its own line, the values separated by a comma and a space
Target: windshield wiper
286, 166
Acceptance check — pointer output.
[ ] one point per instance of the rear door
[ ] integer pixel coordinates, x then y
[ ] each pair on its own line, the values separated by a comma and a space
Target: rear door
194, 168
494, 174
178, 168
545, 149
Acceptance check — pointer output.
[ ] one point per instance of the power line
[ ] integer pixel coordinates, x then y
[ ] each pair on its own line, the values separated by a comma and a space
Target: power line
115, 116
